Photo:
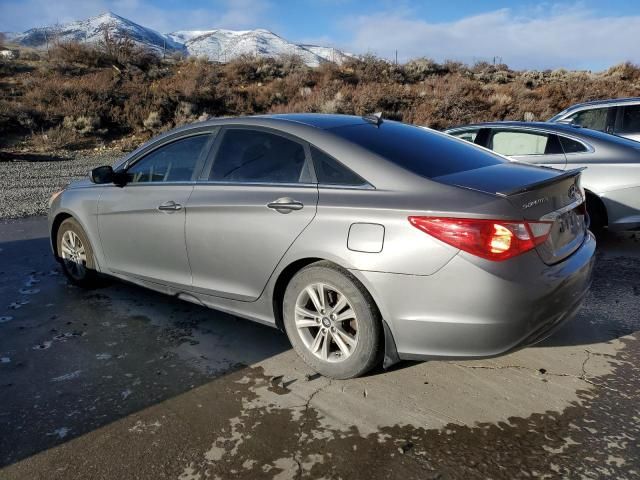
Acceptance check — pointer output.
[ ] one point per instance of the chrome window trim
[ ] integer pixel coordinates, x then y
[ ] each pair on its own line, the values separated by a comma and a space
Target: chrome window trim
365, 186
254, 184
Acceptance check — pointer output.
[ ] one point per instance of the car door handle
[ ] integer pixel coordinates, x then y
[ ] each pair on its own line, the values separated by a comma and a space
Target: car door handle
170, 206
285, 205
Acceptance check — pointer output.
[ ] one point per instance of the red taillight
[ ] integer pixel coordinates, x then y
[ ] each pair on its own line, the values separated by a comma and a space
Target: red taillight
491, 239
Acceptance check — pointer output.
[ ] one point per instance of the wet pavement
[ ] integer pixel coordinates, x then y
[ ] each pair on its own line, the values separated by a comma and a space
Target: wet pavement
120, 382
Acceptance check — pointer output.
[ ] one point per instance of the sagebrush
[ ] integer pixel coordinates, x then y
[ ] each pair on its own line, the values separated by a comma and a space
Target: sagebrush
78, 93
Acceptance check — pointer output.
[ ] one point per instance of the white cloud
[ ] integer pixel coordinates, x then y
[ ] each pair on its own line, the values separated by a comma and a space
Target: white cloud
570, 37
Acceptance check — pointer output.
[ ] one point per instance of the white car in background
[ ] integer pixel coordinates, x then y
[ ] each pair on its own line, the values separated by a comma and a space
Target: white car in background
619, 116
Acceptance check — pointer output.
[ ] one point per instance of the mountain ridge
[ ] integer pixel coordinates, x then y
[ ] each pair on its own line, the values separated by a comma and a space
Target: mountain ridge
218, 44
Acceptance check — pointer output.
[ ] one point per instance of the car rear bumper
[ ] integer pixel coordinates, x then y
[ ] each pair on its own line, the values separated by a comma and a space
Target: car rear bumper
475, 309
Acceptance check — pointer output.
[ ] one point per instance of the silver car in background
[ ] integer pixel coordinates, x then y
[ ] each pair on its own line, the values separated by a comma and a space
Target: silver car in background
619, 116
612, 175
363, 239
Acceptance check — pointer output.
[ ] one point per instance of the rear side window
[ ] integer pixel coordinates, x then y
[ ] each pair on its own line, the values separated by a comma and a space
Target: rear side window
572, 146
593, 118
418, 150
514, 143
257, 156
331, 172
174, 162
630, 119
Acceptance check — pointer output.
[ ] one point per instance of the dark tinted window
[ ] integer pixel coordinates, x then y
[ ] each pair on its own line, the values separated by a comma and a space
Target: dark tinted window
593, 118
468, 135
331, 172
418, 150
174, 162
572, 146
258, 156
630, 119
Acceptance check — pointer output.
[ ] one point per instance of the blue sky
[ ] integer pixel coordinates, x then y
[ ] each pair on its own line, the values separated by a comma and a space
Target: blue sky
583, 34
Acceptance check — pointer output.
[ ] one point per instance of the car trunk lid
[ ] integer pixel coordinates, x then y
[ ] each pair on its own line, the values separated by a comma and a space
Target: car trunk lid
539, 195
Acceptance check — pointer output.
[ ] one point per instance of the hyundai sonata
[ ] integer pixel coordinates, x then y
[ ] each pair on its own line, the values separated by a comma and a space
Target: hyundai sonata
364, 239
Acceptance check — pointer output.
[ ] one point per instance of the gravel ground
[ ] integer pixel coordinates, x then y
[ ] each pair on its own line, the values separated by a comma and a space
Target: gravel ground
28, 180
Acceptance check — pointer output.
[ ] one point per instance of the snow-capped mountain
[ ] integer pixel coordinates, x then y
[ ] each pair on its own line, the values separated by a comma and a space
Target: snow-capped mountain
92, 30
330, 54
224, 45
216, 44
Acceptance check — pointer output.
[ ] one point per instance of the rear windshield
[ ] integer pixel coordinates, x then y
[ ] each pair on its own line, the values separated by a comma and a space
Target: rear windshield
418, 150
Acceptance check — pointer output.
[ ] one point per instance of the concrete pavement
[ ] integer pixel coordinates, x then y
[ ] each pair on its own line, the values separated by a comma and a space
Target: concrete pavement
120, 382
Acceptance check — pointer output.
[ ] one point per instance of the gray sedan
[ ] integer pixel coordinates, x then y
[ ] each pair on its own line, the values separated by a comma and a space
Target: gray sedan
363, 239
612, 176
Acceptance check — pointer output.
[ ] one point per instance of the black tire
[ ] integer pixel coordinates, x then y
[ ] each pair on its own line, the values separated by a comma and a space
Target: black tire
86, 277
597, 215
367, 351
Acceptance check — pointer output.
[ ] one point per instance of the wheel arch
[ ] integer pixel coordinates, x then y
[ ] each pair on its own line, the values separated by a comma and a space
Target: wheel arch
55, 226
595, 199
281, 283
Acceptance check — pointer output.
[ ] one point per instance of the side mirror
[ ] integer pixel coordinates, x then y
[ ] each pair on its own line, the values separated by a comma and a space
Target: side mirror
100, 175
105, 174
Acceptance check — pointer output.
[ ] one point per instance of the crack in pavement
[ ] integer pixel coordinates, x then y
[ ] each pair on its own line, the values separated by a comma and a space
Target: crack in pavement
301, 425
582, 377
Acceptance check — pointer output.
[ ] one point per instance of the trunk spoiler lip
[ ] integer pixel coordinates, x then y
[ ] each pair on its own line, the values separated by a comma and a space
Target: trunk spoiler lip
549, 181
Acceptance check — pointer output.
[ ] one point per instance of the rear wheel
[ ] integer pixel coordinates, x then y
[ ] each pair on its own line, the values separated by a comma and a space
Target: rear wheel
332, 321
75, 254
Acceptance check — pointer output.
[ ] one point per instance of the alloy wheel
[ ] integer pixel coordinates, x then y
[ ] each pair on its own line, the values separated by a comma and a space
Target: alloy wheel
73, 254
326, 322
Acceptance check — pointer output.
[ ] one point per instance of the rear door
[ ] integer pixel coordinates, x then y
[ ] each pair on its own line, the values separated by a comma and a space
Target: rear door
141, 225
530, 146
257, 194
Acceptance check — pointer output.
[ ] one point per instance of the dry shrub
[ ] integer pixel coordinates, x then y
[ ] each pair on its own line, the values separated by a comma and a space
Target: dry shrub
77, 95
54, 139
66, 53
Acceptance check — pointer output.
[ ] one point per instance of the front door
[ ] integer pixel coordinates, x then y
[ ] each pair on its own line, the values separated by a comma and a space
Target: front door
258, 196
142, 224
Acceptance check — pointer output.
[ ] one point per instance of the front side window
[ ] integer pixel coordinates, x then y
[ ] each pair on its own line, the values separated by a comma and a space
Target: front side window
257, 156
175, 162
630, 119
593, 118
331, 172
468, 135
514, 143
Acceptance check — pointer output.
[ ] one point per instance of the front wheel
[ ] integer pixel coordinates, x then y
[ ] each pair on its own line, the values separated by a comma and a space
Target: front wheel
332, 321
75, 254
